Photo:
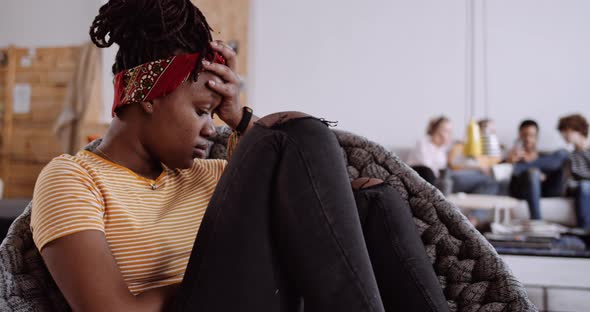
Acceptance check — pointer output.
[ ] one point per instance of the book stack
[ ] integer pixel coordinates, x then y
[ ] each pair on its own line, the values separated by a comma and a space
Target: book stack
521, 240
535, 238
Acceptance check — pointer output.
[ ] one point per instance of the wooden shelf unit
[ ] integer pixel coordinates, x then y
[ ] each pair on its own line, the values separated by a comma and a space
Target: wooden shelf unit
28, 141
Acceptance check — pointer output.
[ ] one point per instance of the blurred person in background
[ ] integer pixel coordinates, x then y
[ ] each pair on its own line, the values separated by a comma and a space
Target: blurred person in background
535, 174
433, 160
491, 145
429, 156
574, 130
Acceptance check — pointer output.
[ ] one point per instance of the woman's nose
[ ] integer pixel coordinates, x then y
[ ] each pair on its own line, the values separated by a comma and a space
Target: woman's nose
208, 130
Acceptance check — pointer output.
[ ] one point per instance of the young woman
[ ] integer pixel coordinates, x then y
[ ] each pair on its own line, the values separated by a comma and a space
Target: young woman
429, 156
277, 228
574, 130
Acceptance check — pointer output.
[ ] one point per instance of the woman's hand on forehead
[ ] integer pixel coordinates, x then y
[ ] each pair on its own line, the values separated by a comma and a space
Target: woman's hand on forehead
227, 85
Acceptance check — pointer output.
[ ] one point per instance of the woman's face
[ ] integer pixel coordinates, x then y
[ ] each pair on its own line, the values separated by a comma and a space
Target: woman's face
571, 137
529, 136
444, 133
177, 130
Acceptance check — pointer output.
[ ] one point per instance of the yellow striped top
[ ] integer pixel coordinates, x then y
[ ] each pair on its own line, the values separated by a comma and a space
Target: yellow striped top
150, 231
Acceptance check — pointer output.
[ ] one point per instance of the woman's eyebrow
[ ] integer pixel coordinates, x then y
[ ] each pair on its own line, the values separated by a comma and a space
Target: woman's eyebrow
206, 106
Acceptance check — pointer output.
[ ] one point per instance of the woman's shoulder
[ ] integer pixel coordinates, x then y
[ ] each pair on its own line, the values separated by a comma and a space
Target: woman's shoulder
79, 163
66, 200
67, 172
205, 167
209, 163
63, 175
214, 167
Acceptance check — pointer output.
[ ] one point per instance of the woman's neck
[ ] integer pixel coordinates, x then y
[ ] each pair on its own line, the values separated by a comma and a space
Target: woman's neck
122, 146
436, 142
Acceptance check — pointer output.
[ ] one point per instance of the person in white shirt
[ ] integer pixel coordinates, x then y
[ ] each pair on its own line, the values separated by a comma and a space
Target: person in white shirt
429, 156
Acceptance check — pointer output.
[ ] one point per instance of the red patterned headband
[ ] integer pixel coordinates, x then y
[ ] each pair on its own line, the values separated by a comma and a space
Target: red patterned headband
155, 79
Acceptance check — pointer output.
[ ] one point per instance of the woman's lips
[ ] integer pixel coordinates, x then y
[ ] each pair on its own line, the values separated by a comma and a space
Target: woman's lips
200, 151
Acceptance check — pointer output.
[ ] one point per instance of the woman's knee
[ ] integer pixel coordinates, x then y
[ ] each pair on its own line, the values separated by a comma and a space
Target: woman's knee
384, 193
303, 128
281, 117
362, 183
381, 197
584, 186
533, 174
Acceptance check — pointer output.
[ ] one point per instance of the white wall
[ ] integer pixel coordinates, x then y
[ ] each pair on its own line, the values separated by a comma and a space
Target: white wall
540, 62
46, 23
380, 67
383, 68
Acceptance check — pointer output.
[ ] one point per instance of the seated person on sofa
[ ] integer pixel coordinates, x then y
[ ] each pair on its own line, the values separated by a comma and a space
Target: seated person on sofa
429, 157
142, 223
489, 139
471, 175
474, 174
574, 129
535, 174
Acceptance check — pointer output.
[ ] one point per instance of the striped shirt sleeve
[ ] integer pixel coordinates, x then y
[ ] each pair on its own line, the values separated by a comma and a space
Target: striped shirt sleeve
580, 164
65, 201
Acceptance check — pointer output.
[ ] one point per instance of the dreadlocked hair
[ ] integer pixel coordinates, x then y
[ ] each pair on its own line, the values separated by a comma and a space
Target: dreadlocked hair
148, 30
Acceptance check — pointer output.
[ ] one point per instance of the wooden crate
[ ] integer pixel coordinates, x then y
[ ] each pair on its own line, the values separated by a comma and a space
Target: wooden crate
36, 144
28, 140
23, 175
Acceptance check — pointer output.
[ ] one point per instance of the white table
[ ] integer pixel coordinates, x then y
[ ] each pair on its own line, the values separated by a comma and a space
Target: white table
501, 205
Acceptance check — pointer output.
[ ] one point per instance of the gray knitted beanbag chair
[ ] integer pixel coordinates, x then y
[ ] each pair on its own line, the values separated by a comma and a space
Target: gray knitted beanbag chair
471, 274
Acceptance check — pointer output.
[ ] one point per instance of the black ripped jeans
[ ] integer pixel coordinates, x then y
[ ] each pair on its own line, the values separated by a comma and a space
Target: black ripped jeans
282, 233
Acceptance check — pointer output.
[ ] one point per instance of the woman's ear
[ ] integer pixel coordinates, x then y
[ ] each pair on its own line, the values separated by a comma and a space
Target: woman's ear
147, 107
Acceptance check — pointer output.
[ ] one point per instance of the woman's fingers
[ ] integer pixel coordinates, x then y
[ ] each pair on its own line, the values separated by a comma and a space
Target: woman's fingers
228, 85
227, 52
223, 89
224, 72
